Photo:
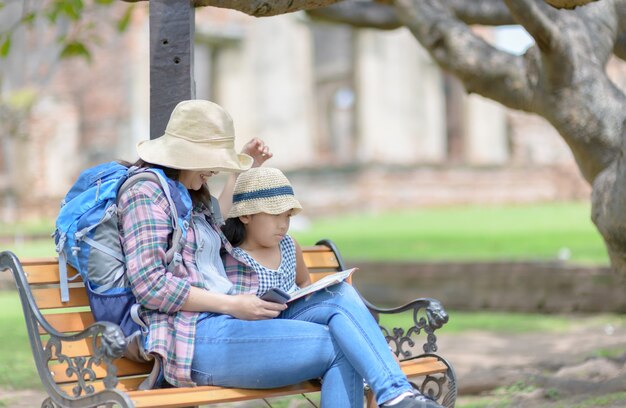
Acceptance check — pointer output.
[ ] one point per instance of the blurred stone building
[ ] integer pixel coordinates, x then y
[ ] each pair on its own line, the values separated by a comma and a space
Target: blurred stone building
360, 119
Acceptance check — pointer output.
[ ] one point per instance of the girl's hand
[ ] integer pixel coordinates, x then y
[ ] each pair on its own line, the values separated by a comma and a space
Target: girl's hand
250, 307
258, 150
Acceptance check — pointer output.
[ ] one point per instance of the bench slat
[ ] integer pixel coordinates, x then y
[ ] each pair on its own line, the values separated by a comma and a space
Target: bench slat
184, 397
50, 298
46, 270
180, 397
69, 322
125, 384
314, 260
39, 261
316, 248
46, 273
77, 348
423, 366
173, 397
315, 276
190, 396
124, 366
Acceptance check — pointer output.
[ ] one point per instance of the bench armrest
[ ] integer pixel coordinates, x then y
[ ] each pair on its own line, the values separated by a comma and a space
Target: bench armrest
428, 315
106, 339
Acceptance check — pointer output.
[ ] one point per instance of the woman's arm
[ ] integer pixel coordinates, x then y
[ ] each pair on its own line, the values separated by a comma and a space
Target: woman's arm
302, 272
145, 226
260, 153
244, 307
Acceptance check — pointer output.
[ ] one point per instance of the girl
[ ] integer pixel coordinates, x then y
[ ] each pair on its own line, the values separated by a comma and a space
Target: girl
257, 225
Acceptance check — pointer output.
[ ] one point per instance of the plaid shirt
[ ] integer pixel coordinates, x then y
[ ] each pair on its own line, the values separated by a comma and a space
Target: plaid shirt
145, 228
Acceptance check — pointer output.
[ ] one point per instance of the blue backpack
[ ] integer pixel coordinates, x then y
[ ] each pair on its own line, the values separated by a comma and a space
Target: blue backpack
87, 238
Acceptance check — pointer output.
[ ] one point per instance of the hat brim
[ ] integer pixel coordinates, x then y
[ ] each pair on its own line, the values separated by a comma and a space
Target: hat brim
177, 153
277, 205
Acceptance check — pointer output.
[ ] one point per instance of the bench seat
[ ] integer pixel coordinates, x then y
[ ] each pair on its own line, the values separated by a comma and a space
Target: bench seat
78, 368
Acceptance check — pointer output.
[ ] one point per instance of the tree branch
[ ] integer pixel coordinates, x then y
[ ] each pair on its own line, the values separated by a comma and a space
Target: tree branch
483, 12
583, 105
381, 16
620, 46
360, 14
568, 40
261, 8
536, 21
568, 4
541, 22
481, 67
620, 42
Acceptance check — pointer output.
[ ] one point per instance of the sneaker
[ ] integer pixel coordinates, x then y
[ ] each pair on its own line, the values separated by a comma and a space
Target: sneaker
415, 401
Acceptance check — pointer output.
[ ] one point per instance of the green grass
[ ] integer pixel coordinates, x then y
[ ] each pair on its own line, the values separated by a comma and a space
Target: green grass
31, 249
602, 401
18, 238
610, 352
503, 398
40, 226
500, 322
17, 367
465, 233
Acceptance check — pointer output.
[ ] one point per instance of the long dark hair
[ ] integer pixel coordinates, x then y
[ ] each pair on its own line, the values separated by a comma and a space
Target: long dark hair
234, 231
201, 196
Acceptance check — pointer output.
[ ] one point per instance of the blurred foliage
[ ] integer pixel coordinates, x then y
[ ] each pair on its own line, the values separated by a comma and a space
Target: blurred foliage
75, 23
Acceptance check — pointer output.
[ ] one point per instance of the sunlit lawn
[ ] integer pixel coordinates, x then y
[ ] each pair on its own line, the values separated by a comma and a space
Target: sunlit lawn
501, 322
465, 233
17, 367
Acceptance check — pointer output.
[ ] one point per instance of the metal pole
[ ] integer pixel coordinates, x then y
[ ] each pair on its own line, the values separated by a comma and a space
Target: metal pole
172, 27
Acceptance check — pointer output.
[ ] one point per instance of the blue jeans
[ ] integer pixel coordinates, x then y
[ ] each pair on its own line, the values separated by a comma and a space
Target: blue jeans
329, 334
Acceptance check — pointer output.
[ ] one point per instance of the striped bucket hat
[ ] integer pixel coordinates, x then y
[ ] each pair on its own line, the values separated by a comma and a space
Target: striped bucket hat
263, 190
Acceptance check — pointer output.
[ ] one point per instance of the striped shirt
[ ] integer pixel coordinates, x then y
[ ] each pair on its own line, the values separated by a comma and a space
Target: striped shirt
145, 228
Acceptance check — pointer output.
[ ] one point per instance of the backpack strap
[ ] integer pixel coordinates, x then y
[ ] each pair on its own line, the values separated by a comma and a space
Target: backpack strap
63, 280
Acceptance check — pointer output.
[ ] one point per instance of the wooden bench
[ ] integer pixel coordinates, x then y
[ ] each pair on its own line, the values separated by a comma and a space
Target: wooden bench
79, 361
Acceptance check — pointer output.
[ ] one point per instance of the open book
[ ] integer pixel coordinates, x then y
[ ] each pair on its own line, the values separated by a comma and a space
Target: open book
325, 282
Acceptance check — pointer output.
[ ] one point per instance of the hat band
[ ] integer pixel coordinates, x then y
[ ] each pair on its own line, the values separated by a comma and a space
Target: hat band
265, 193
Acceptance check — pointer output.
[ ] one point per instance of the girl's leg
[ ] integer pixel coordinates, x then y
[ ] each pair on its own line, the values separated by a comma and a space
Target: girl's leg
356, 332
273, 353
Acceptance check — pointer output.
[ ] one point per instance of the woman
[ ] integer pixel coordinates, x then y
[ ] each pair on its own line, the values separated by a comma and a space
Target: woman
204, 320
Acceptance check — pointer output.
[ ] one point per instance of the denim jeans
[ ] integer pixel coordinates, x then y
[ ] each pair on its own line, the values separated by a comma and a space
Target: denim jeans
329, 334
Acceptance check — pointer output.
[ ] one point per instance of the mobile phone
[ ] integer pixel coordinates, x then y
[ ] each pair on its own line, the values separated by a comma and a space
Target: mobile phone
276, 295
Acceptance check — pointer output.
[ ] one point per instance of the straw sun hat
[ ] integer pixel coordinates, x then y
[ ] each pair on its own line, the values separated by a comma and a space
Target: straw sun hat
198, 136
263, 190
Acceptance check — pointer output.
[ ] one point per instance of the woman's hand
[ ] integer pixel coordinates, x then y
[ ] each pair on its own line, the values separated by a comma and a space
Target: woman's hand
244, 307
260, 153
250, 307
258, 150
